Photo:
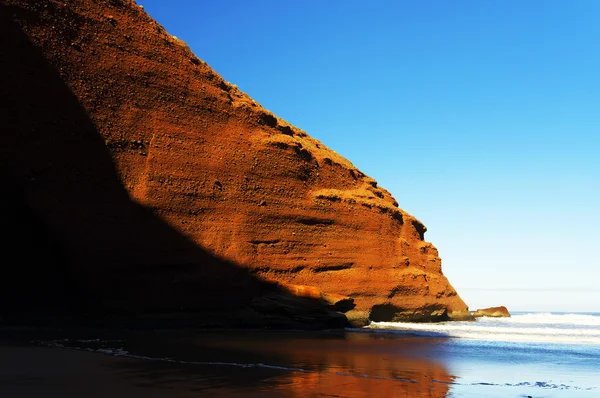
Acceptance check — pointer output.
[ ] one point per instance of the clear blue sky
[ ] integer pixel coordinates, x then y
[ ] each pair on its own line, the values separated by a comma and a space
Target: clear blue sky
482, 118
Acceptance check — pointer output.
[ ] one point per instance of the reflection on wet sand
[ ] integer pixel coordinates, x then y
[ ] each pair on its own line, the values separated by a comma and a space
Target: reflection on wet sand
354, 365
235, 364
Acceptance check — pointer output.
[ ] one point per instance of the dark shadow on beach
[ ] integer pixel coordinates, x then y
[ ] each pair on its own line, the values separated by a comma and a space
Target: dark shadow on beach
265, 363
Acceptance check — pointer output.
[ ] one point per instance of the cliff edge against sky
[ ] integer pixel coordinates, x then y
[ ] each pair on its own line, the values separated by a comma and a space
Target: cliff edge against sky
138, 181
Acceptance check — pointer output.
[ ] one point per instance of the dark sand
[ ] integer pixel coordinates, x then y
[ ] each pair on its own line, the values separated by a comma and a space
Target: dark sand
219, 364
55, 372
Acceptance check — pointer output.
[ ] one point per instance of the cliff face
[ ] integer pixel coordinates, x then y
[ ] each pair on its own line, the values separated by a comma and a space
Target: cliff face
160, 186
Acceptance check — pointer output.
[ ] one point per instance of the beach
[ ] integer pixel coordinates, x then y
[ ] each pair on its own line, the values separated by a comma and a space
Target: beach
226, 364
262, 363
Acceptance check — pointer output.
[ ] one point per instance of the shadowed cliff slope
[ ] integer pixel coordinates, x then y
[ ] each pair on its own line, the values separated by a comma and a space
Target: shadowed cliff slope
143, 182
77, 248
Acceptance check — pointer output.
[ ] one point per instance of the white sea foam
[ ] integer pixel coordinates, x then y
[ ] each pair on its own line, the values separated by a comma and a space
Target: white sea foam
121, 352
534, 328
549, 319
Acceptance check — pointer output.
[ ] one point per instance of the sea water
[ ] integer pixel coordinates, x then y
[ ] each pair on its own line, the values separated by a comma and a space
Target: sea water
527, 354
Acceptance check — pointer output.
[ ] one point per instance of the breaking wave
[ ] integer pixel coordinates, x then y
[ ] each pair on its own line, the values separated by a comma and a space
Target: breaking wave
528, 327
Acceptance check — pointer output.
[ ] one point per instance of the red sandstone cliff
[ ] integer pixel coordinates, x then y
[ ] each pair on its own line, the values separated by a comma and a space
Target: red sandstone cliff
159, 186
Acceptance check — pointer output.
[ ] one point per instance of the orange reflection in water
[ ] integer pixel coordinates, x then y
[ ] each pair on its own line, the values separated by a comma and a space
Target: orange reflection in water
357, 365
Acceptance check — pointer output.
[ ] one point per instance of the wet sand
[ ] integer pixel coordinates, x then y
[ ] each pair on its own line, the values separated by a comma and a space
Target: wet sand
54, 372
227, 364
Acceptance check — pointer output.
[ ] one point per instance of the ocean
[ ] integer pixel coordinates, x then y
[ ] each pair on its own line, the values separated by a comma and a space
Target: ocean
529, 354
526, 355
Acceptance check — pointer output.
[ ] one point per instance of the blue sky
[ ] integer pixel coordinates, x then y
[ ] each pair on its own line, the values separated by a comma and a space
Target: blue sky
482, 118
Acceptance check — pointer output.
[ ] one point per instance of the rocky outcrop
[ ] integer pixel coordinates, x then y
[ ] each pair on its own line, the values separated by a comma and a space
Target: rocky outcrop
493, 312
138, 181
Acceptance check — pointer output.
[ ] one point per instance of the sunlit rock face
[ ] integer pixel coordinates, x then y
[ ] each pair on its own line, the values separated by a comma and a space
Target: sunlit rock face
164, 187
493, 312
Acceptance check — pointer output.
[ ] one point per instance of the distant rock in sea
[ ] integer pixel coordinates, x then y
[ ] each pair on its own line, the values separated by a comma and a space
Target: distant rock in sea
492, 312
139, 183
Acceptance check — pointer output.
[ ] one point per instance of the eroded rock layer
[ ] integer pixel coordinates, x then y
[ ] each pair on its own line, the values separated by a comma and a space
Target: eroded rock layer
163, 186
493, 312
